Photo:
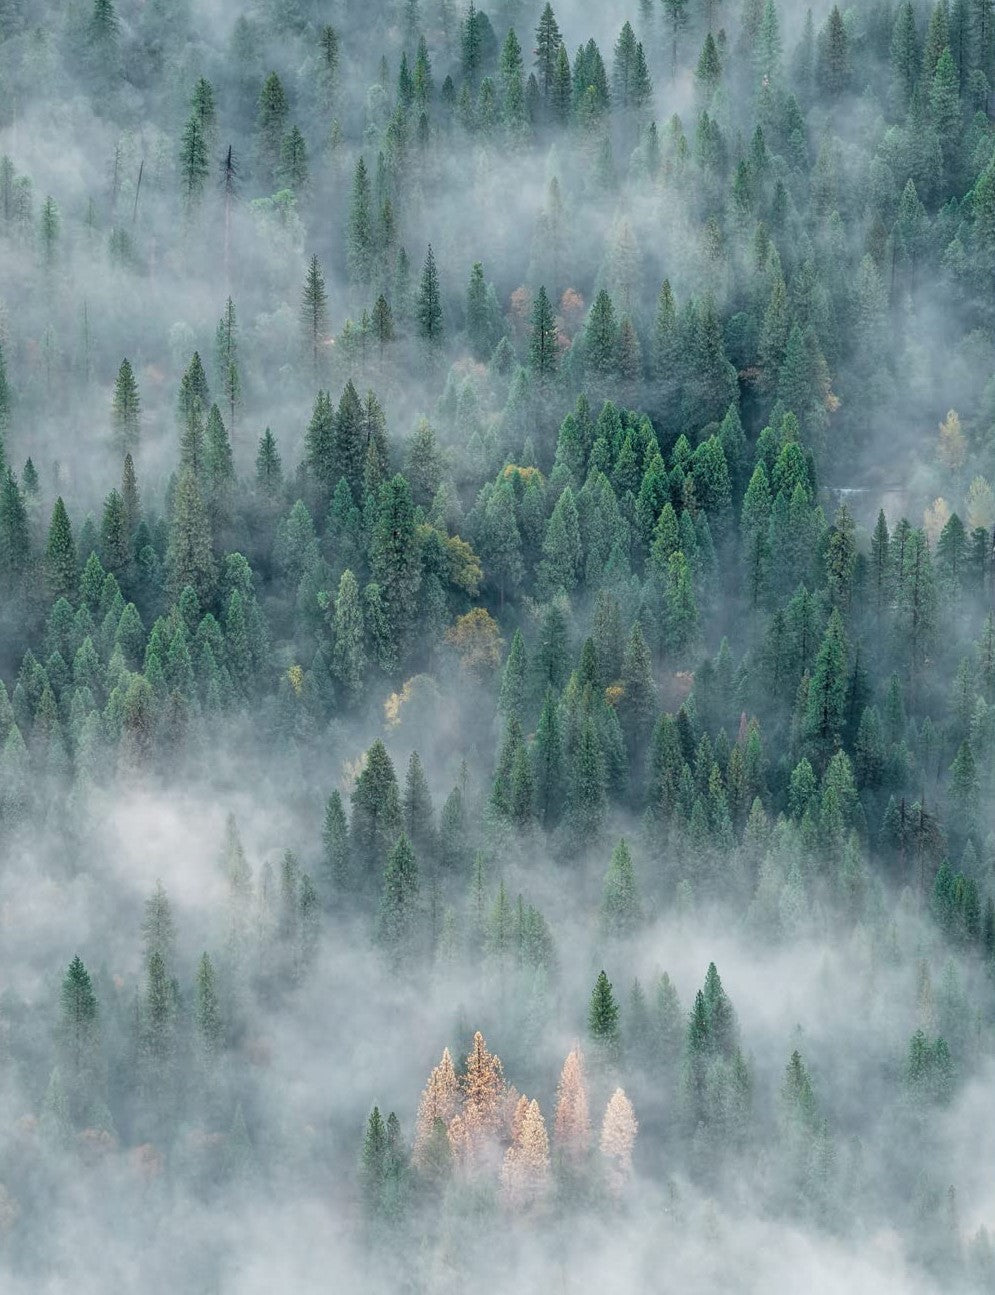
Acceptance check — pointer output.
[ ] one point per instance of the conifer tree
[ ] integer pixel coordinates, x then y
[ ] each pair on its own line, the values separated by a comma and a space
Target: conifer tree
189, 558
360, 239
349, 652
61, 565
621, 912
194, 160
314, 312
832, 68
543, 356
439, 1102
125, 411
428, 307
398, 921
373, 1163
272, 123
483, 1088
395, 561
525, 1169
207, 1011
377, 821
419, 817
572, 1129
602, 1019
79, 1040
618, 1136
548, 42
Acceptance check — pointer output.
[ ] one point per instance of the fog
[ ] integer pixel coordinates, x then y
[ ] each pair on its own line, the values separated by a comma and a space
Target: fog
598, 655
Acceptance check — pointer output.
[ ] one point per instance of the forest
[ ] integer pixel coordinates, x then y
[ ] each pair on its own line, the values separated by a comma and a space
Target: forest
497, 646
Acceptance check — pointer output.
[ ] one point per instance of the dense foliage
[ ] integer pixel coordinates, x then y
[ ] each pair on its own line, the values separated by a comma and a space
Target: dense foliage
496, 522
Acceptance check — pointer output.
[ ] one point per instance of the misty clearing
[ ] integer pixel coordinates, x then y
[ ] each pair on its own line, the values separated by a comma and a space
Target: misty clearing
497, 647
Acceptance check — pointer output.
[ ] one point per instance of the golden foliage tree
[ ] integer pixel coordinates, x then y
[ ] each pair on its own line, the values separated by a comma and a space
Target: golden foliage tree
952, 447
483, 1093
439, 1101
477, 640
572, 1127
525, 1171
618, 1135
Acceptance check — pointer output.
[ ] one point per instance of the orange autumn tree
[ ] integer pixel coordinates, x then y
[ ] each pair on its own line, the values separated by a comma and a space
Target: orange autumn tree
572, 1127
483, 1090
618, 1135
525, 1171
439, 1101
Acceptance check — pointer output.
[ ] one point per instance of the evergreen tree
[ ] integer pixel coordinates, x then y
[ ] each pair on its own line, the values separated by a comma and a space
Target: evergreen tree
61, 564
397, 924
189, 558
621, 912
314, 312
543, 354
125, 411
395, 559
428, 307
548, 42
603, 1020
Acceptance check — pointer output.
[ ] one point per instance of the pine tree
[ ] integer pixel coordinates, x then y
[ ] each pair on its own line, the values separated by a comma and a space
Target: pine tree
621, 912
428, 307
395, 559
269, 468
483, 1089
905, 55
548, 773
419, 816
572, 1128
398, 920
543, 354
194, 161
314, 312
360, 237
561, 547
677, 17
226, 361
377, 820
618, 1136
207, 1010
601, 336
525, 1169
61, 564
335, 842
293, 172
125, 411
826, 702
189, 558
602, 1019
79, 1040
548, 43
439, 1102
349, 654
832, 68
637, 705
272, 123
373, 1163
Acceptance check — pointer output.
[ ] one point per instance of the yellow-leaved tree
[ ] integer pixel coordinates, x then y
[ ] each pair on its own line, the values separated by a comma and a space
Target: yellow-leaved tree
618, 1136
439, 1101
525, 1171
572, 1127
